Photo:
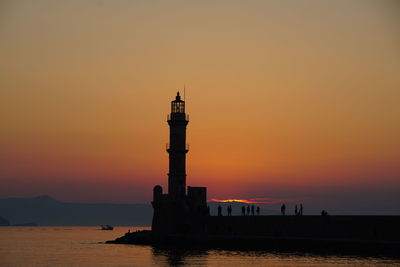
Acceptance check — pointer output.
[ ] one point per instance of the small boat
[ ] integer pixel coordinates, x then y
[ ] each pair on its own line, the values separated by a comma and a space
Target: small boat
106, 227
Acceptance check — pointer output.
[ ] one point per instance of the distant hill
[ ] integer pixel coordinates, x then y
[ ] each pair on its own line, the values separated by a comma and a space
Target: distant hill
45, 210
4, 222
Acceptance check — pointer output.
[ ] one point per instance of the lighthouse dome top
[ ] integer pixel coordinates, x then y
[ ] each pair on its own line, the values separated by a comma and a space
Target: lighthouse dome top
178, 105
178, 97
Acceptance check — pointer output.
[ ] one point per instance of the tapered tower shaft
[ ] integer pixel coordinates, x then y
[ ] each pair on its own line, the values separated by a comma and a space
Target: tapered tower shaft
177, 149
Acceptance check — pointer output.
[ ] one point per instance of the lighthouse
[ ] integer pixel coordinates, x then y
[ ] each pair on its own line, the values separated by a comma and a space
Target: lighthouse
183, 209
177, 148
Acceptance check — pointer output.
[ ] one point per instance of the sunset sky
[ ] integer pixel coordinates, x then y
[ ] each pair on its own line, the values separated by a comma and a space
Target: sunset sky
289, 101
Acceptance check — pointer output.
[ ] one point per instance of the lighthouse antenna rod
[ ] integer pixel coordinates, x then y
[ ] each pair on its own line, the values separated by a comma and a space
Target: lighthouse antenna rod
184, 92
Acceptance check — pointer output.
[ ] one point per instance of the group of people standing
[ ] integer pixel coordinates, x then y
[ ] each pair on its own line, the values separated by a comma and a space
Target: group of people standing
245, 210
252, 210
249, 209
297, 211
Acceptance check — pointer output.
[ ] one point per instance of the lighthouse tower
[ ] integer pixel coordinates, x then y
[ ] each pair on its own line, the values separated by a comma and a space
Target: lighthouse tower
181, 210
177, 149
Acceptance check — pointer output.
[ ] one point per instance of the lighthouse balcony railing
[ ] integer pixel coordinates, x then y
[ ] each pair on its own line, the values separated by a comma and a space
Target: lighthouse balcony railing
169, 117
168, 146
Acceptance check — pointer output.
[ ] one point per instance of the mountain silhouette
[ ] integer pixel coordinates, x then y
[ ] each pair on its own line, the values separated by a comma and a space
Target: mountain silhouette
4, 222
44, 210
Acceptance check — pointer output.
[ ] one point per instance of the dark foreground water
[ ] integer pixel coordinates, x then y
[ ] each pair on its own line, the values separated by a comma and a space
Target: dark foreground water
82, 246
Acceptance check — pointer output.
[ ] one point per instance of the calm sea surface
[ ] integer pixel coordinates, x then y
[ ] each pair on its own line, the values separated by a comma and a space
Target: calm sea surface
83, 246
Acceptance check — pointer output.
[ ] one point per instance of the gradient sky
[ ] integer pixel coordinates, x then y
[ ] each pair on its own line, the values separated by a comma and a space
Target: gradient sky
294, 101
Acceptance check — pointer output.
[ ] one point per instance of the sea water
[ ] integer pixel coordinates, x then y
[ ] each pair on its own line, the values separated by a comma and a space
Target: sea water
84, 246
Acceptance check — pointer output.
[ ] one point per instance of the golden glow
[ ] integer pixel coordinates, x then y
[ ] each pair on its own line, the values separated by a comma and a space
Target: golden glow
232, 200
259, 200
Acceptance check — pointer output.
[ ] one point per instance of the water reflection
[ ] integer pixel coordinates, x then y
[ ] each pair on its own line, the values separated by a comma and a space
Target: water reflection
179, 257
79, 246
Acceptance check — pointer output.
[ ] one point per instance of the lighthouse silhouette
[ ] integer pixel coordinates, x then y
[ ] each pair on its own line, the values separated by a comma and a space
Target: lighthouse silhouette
181, 210
177, 149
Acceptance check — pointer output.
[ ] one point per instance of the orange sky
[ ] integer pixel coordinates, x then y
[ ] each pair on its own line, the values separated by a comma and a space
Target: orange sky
284, 97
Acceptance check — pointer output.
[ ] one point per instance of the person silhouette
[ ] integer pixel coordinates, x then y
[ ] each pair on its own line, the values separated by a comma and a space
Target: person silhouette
258, 210
296, 211
243, 211
219, 210
252, 210
283, 209
248, 210
229, 210
301, 209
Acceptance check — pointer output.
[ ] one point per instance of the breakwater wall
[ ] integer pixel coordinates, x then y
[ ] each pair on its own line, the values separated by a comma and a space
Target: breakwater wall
383, 228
